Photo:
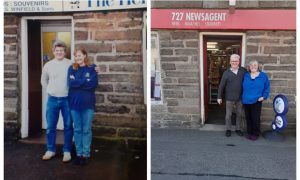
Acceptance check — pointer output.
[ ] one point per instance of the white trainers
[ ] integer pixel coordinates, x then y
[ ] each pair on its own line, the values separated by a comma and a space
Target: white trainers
67, 157
48, 155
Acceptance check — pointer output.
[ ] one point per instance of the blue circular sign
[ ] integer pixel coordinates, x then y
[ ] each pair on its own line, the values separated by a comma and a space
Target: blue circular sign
280, 104
279, 123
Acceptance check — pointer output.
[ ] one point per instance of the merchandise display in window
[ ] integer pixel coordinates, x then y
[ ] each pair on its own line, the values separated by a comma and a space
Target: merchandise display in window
218, 62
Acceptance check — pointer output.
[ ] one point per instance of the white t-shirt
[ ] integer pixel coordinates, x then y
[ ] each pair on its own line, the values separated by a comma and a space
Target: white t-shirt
235, 71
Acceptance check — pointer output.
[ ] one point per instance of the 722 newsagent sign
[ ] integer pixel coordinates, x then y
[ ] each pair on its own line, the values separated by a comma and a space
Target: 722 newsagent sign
22, 6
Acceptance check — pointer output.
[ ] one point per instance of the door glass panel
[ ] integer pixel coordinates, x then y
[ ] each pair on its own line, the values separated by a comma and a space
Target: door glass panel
48, 39
66, 38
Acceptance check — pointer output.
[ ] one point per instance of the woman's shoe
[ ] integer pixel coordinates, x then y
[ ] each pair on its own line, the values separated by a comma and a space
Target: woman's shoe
254, 137
77, 161
249, 136
84, 161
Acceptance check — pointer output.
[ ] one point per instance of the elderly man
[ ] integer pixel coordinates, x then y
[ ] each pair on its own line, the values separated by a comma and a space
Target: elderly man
231, 82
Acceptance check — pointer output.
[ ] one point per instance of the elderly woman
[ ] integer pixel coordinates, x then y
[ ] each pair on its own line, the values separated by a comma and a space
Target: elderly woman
256, 88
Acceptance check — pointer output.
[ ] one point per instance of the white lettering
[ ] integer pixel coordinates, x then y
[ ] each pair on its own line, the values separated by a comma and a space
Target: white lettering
190, 16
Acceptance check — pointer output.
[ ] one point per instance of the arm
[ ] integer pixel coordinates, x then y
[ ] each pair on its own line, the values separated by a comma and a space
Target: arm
97, 69
72, 81
45, 76
92, 81
266, 90
222, 85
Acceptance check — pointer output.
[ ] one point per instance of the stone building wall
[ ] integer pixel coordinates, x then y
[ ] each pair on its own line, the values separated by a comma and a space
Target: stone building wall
276, 52
11, 74
179, 51
180, 83
113, 40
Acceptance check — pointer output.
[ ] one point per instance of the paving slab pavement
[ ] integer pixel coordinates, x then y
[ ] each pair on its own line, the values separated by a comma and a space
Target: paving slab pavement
209, 155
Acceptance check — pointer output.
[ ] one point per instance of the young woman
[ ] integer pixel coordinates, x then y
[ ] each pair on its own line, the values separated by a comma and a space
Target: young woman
256, 89
82, 81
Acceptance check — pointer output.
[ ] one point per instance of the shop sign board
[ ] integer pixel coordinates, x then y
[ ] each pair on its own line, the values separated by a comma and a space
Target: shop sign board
222, 19
23, 6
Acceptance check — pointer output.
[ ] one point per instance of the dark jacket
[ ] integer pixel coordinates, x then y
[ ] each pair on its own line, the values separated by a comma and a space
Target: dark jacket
232, 84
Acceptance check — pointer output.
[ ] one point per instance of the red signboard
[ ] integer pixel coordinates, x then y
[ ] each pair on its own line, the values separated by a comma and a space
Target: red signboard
222, 19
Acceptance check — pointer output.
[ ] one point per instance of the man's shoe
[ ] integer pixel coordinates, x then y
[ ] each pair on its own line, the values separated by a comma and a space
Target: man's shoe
67, 157
239, 132
228, 133
48, 155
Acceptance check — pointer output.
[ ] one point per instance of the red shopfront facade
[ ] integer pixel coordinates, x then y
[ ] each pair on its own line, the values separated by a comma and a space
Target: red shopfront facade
194, 46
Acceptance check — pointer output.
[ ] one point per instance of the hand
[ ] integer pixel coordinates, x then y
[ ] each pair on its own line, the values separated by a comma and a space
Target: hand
72, 77
97, 69
219, 101
261, 99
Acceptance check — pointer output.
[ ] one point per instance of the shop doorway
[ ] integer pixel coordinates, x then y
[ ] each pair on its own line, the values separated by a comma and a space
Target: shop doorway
217, 49
37, 38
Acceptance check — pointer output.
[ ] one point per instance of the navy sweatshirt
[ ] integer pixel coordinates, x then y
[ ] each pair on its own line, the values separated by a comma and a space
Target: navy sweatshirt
82, 84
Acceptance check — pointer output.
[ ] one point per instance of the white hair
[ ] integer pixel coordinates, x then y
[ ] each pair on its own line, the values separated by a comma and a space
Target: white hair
253, 62
234, 56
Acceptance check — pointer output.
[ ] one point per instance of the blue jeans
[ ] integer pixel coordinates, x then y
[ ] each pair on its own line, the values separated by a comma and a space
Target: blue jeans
54, 106
82, 130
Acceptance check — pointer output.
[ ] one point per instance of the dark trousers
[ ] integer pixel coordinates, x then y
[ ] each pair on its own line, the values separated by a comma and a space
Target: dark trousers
252, 112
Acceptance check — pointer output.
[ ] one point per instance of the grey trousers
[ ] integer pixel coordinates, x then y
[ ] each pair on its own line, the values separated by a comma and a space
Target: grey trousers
229, 109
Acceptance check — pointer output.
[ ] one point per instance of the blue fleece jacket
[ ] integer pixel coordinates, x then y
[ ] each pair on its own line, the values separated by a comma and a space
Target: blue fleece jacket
82, 84
253, 89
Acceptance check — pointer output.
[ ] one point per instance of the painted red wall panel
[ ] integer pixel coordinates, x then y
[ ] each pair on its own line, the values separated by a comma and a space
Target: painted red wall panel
223, 20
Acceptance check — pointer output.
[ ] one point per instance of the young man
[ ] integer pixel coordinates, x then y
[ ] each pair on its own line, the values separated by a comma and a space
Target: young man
54, 79
231, 82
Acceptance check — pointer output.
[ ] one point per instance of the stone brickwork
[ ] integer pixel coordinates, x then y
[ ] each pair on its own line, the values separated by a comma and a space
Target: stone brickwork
276, 52
224, 4
179, 52
114, 42
11, 74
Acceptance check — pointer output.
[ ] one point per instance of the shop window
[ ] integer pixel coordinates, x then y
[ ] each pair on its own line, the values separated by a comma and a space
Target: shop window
156, 92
